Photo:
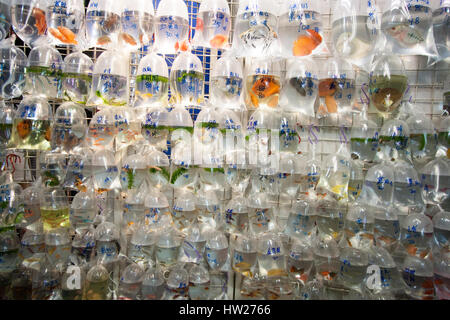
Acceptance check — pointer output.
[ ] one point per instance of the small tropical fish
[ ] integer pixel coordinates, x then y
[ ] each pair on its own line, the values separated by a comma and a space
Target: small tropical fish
200, 24
128, 39
183, 47
305, 44
103, 40
218, 41
406, 35
48, 134
276, 272
24, 128
41, 23
331, 104
265, 87
68, 34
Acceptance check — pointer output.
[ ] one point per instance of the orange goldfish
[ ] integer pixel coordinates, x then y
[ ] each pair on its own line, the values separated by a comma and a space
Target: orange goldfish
218, 41
41, 23
128, 39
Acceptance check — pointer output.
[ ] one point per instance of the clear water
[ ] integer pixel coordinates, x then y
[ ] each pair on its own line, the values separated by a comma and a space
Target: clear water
194, 250
130, 21
167, 256
67, 136
76, 87
418, 287
423, 241
262, 91
354, 189
299, 94
186, 86
243, 262
408, 197
152, 292
352, 37
5, 20
332, 226
293, 25
58, 254
104, 177
216, 258
44, 82
440, 29
101, 27
442, 237
259, 219
107, 251
300, 224
442, 286
336, 95
199, 291
110, 89
423, 147
379, 190
132, 178
386, 232
351, 274
101, 135
429, 192
150, 89
409, 30
60, 16
271, 265
226, 90
168, 31
299, 269
256, 33
24, 22
215, 23
363, 149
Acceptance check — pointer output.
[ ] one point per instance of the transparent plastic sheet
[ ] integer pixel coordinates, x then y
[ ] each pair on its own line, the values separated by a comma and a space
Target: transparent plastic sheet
355, 31
301, 29
29, 21
441, 11
14, 63
5, 18
102, 23
66, 23
408, 26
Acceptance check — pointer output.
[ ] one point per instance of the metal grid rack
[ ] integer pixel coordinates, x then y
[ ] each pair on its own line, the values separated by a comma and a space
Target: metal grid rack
426, 86
426, 92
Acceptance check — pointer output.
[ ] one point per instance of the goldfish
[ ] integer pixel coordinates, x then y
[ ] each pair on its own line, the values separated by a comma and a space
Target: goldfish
48, 134
218, 41
328, 275
200, 24
41, 23
183, 47
406, 35
128, 39
103, 40
265, 87
305, 44
24, 128
276, 272
63, 34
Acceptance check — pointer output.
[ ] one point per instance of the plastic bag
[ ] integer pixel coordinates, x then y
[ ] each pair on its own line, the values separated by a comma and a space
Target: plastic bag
77, 77
227, 83
300, 28
102, 131
213, 25
262, 83
256, 31
32, 125
137, 19
422, 139
69, 127
355, 31
110, 80
152, 82
29, 21
301, 86
13, 63
43, 74
5, 18
52, 169
102, 22
171, 26
441, 34
6, 124
336, 88
388, 84
407, 26
65, 22
186, 80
